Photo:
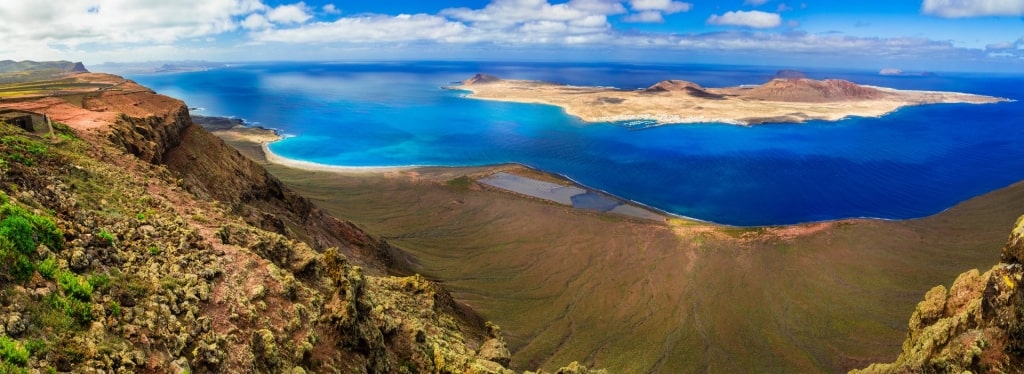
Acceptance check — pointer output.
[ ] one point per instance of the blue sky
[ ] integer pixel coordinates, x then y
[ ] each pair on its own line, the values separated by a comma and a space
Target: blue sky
968, 35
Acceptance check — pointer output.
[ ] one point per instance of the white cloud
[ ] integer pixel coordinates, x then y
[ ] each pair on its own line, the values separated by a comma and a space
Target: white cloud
753, 18
503, 13
331, 9
755, 2
666, 6
783, 8
256, 22
70, 23
293, 13
369, 29
972, 8
645, 17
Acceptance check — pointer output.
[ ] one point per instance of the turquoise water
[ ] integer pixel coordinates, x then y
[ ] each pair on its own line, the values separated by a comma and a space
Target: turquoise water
913, 163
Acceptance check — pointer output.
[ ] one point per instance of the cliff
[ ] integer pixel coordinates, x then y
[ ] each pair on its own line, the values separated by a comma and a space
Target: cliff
135, 241
977, 325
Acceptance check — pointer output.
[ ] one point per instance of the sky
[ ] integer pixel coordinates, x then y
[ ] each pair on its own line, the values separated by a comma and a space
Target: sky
913, 35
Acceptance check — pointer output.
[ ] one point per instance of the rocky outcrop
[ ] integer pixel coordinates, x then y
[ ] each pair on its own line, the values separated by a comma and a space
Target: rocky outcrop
812, 91
689, 88
977, 325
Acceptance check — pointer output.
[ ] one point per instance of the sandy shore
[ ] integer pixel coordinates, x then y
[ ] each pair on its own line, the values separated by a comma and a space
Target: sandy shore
235, 132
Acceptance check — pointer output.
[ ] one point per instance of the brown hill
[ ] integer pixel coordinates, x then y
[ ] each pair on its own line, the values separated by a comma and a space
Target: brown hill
809, 90
480, 79
689, 88
790, 74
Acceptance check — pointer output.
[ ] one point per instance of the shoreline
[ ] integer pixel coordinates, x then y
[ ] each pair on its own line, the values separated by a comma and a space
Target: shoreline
263, 137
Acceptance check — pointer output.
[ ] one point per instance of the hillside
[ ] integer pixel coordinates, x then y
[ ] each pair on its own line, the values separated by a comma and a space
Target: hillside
25, 71
976, 326
135, 241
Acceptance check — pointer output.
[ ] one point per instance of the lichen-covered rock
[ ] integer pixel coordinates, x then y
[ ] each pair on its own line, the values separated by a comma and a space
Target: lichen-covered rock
573, 368
978, 326
494, 348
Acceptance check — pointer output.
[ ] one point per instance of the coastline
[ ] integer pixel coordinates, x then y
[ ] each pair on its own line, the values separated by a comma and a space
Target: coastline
236, 130
244, 132
679, 102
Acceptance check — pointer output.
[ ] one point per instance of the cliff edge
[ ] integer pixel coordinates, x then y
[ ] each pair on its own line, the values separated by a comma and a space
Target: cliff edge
977, 325
133, 240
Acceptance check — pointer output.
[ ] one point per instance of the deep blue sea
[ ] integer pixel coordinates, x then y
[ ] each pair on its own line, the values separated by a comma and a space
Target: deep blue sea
912, 163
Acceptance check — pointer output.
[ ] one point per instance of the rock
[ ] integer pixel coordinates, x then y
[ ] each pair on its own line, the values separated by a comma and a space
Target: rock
264, 350
180, 366
15, 325
978, 326
494, 348
79, 261
1013, 252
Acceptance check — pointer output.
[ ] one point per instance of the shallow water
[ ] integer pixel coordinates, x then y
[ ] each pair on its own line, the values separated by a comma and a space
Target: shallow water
915, 162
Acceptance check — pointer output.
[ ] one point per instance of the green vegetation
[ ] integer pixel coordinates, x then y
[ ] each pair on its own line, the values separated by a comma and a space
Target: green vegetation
13, 356
105, 235
21, 150
73, 285
20, 233
154, 250
47, 268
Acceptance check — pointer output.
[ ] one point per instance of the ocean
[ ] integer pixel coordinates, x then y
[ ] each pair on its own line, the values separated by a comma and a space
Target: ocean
912, 163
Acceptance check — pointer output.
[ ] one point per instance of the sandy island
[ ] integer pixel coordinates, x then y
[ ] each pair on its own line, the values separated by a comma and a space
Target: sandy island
781, 100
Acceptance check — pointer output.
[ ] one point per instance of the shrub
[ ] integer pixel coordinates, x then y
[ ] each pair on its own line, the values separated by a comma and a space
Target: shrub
22, 268
47, 268
20, 232
74, 286
26, 230
115, 308
107, 236
99, 281
47, 232
13, 352
79, 311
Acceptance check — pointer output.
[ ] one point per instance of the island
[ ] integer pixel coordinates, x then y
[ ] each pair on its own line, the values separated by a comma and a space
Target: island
787, 98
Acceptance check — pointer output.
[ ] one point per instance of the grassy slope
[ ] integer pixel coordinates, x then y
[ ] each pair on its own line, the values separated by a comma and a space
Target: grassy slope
636, 297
